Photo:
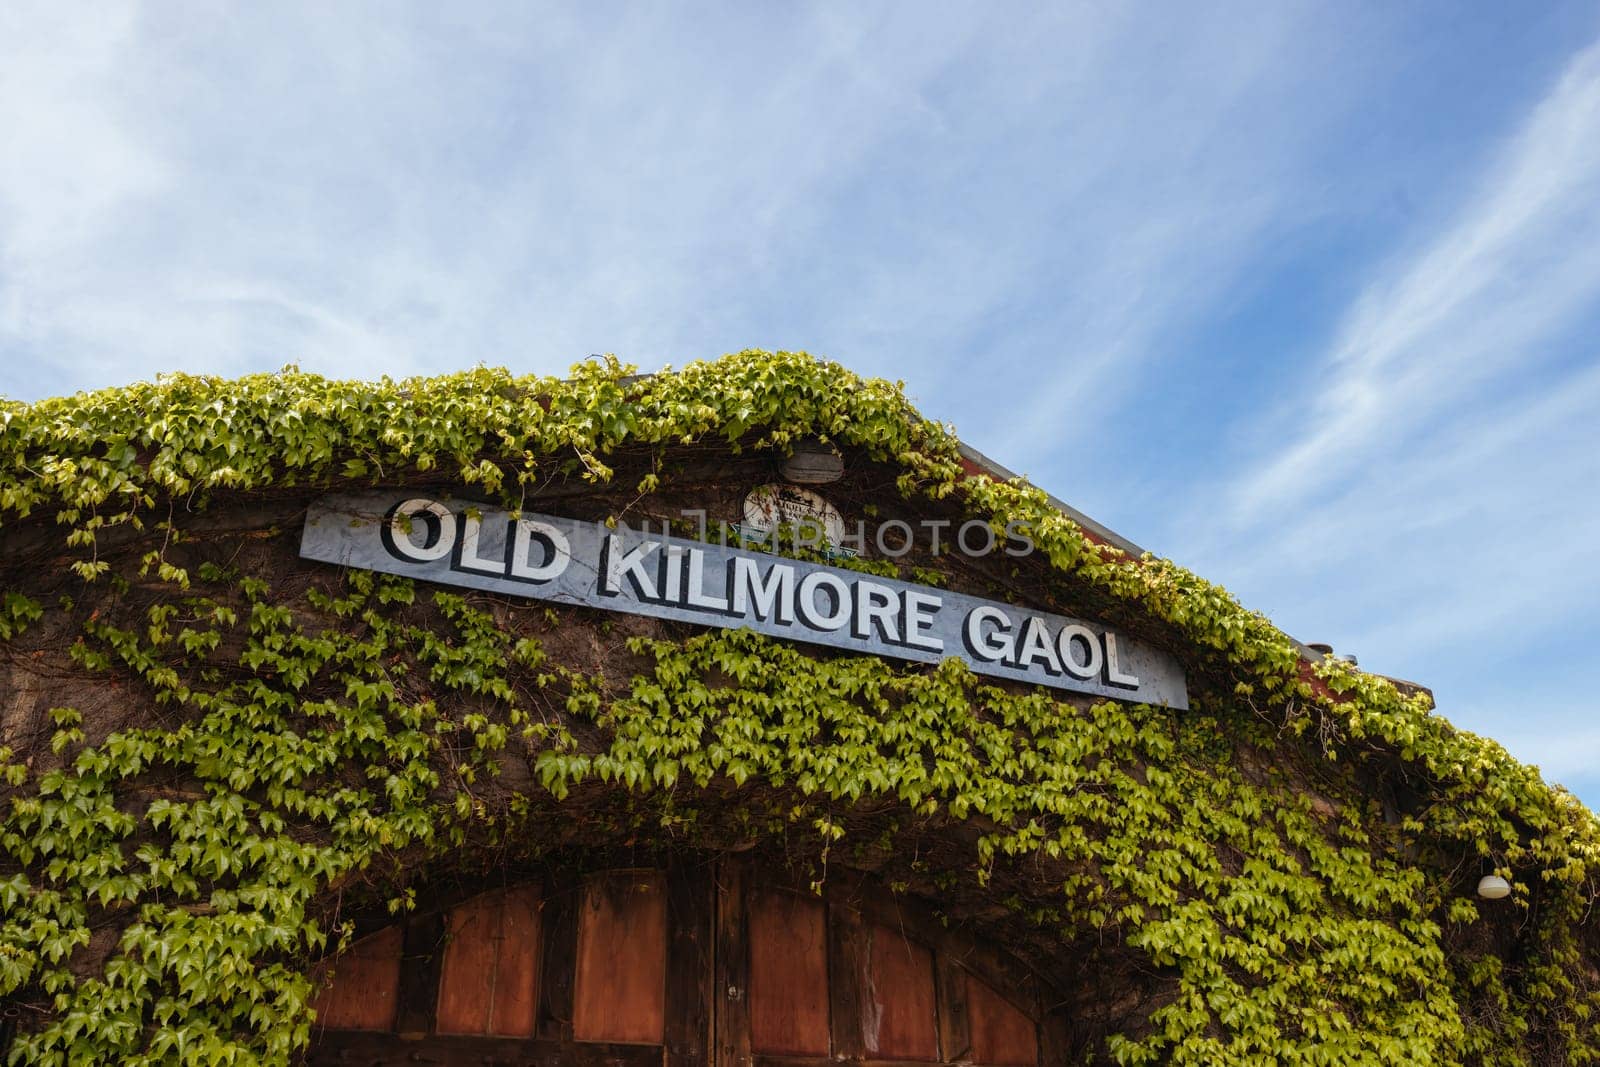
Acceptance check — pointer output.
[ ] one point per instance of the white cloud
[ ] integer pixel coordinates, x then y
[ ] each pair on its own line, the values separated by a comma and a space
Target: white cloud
1430, 493
1466, 316
438, 187
69, 161
69, 165
1487, 530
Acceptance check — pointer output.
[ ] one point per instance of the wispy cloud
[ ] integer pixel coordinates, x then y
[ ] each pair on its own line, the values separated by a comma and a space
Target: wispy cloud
1469, 310
220, 190
433, 189
1430, 495
1484, 533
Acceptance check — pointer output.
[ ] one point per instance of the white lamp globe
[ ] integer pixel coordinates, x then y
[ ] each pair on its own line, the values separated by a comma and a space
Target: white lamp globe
1493, 887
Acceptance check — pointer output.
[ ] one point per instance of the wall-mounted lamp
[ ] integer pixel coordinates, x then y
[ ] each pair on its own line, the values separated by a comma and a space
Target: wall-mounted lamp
1493, 887
813, 463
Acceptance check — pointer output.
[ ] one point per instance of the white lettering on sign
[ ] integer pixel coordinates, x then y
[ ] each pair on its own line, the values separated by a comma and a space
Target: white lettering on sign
438, 525
584, 563
555, 552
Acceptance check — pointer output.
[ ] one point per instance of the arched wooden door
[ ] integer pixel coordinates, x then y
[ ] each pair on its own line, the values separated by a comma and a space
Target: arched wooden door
682, 966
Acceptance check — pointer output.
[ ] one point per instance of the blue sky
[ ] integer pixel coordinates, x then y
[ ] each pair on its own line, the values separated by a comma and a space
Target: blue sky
1305, 297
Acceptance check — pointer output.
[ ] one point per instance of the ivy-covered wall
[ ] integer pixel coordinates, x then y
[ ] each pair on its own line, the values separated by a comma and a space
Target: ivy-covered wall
209, 747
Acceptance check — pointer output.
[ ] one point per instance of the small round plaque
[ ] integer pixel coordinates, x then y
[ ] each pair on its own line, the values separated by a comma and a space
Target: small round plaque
770, 506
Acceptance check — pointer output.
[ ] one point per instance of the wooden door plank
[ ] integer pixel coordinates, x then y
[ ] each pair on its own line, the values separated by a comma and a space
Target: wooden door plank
620, 987
1003, 1035
516, 981
691, 952
365, 987
732, 966
955, 1035
422, 953
847, 974
788, 936
559, 922
901, 1016
467, 976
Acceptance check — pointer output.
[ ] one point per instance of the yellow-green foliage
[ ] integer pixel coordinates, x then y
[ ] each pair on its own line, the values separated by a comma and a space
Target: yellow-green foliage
1288, 930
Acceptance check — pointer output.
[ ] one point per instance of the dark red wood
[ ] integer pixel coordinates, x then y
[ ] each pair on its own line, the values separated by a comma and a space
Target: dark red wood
788, 974
847, 974
691, 951
824, 1061
516, 987
365, 985
489, 982
421, 956
559, 924
950, 988
976, 956
1055, 1041
732, 985
901, 1021
682, 968
620, 990
1003, 1035
466, 982
348, 1049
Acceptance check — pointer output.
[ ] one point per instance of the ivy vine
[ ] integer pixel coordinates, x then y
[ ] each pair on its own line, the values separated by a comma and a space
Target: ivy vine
163, 884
